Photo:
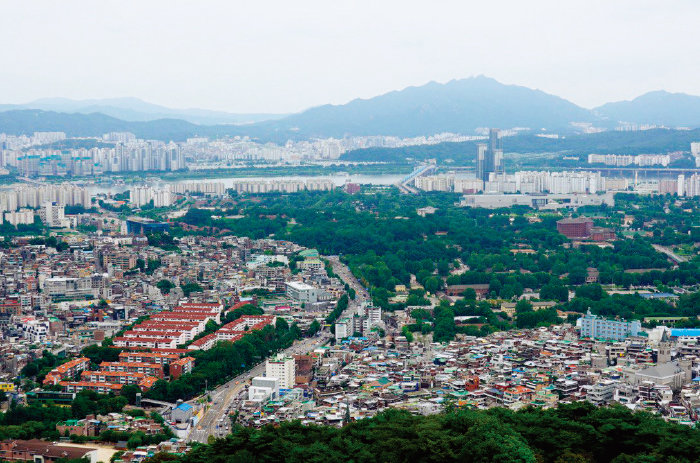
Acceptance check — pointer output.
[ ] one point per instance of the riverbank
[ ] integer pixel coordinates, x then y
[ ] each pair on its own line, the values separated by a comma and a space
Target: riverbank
280, 171
243, 172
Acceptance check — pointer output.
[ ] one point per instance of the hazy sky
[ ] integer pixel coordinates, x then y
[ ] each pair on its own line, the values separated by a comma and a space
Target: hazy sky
284, 56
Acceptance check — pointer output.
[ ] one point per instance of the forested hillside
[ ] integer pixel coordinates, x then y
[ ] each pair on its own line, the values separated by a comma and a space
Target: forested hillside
577, 433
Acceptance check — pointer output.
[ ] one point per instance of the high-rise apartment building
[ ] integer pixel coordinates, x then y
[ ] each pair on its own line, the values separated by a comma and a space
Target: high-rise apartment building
21, 217
284, 369
53, 214
688, 186
143, 195
489, 158
481, 149
343, 329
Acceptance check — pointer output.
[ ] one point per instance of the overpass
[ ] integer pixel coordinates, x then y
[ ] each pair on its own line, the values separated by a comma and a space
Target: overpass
158, 402
670, 254
405, 184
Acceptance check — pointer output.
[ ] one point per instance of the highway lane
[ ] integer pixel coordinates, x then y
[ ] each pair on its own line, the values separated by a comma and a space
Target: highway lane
361, 295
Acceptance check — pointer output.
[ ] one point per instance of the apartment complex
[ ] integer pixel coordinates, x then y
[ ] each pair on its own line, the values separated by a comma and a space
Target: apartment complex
596, 327
67, 370
167, 330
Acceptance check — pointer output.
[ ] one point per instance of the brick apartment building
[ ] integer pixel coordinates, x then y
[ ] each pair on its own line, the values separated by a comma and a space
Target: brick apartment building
181, 367
575, 227
67, 370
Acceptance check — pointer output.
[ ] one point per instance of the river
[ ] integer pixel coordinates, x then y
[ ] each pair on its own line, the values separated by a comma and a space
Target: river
337, 179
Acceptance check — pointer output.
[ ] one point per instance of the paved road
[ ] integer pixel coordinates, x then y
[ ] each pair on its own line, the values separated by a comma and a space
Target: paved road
225, 397
675, 257
361, 295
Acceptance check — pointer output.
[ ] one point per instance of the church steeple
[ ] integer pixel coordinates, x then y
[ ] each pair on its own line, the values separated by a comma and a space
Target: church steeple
664, 354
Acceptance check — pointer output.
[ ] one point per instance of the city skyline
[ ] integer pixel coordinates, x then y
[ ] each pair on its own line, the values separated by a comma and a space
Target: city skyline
245, 58
368, 231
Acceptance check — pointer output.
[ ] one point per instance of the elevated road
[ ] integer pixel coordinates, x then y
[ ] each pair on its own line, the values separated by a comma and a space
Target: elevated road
670, 254
406, 183
158, 402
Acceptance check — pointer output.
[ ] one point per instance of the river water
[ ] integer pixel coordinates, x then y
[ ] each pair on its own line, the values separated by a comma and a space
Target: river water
337, 179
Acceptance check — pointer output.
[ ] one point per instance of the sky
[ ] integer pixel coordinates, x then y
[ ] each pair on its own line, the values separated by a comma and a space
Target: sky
285, 56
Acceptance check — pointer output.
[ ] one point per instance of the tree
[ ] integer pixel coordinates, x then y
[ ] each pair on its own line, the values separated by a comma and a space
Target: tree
191, 287
432, 284
609, 434
281, 324
165, 286
129, 392
98, 354
445, 328
532, 319
555, 291
523, 305
314, 328
161, 457
469, 294
577, 275
592, 291
407, 333
136, 440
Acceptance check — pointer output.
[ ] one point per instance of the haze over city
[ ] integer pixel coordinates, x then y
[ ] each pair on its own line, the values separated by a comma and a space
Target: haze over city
282, 57
313, 231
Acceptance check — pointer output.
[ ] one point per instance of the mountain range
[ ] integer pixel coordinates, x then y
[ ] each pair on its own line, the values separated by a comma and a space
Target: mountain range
134, 109
458, 106
657, 108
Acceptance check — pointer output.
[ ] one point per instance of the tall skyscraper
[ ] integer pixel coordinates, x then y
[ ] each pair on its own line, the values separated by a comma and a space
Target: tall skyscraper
481, 149
489, 158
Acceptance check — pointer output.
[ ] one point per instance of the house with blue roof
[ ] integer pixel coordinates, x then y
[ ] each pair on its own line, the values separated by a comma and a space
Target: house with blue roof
182, 413
685, 333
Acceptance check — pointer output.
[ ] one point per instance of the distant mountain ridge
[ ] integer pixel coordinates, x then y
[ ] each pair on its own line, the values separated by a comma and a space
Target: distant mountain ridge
134, 109
458, 106
26, 121
658, 108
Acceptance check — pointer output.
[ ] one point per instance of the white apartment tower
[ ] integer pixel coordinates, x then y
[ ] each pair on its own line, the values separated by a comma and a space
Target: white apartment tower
343, 329
284, 369
53, 215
